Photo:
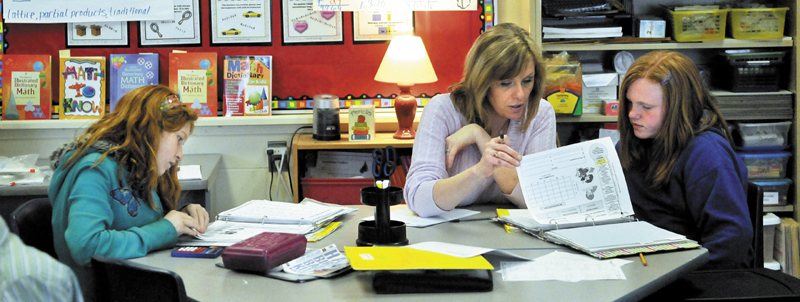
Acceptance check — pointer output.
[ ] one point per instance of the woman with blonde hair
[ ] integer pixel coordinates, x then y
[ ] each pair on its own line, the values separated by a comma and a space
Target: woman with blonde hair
676, 151
470, 140
115, 189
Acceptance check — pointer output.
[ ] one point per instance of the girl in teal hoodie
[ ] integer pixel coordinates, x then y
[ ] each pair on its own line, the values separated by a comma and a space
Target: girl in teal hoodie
115, 189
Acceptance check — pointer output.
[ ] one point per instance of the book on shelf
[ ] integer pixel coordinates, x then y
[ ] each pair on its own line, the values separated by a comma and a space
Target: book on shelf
786, 246
194, 76
82, 87
130, 71
247, 87
26, 95
577, 196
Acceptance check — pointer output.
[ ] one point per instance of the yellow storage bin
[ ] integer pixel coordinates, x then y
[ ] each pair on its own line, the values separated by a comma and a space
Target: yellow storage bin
758, 23
698, 25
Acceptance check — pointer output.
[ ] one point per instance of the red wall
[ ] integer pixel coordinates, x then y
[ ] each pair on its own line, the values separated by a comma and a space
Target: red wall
341, 69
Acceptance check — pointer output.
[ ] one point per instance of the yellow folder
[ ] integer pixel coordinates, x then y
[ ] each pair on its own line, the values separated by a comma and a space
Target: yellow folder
403, 258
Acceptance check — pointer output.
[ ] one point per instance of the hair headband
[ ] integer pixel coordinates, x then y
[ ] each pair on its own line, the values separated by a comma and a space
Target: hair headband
170, 102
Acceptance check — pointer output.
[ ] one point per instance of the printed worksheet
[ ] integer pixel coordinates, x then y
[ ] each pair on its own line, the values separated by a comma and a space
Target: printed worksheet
575, 183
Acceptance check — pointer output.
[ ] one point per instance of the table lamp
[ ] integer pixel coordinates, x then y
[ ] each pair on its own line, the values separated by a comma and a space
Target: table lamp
406, 63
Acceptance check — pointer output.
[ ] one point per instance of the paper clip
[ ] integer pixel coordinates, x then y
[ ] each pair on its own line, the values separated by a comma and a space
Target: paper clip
299, 223
553, 221
263, 218
589, 217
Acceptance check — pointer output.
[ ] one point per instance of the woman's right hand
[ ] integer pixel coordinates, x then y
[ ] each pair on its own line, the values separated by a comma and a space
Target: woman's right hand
497, 153
183, 223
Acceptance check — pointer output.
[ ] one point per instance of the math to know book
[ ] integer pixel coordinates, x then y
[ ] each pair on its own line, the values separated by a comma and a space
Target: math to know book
247, 85
361, 122
82, 88
577, 196
194, 77
26, 95
130, 71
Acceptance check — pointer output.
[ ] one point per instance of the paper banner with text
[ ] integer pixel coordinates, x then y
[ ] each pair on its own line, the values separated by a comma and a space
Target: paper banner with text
64, 11
394, 5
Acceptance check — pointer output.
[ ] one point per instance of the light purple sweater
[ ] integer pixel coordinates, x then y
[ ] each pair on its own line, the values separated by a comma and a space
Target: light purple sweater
439, 120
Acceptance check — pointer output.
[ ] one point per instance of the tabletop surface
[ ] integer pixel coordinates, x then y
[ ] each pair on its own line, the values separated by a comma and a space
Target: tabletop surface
206, 282
209, 164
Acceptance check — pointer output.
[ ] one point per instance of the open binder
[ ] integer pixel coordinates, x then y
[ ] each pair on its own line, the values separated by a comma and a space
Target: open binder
274, 212
577, 196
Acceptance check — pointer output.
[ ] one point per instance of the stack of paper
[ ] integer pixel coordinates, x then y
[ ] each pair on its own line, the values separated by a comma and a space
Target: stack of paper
581, 33
258, 216
786, 249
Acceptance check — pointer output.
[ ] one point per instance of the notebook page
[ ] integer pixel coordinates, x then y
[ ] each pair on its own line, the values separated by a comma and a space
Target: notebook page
278, 212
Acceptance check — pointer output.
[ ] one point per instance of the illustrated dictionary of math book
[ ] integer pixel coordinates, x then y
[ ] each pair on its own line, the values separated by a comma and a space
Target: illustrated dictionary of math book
128, 72
82, 89
26, 87
194, 77
247, 85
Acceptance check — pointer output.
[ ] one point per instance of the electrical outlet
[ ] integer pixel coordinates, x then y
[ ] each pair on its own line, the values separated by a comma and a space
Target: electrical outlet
278, 150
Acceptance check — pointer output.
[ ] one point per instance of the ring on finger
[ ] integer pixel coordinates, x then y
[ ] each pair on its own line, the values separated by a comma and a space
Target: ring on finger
496, 153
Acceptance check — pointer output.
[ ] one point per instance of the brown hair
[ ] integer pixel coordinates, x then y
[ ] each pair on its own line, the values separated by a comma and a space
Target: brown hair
135, 128
500, 53
690, 109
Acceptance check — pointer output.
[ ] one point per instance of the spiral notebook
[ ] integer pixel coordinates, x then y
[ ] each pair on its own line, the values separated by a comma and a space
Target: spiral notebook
577, 196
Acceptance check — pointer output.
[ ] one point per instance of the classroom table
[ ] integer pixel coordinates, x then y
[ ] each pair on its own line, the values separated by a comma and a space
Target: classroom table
207, 282
193, 191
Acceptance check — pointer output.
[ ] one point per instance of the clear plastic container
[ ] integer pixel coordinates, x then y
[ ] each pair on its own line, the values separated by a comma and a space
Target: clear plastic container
776, 190
762, 136
765, 165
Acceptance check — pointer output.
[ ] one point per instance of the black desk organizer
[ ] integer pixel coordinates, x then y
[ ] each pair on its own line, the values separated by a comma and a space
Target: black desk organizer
382, 230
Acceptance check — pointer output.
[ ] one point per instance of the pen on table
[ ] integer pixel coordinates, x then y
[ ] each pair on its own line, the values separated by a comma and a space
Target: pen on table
472, 219
641, 256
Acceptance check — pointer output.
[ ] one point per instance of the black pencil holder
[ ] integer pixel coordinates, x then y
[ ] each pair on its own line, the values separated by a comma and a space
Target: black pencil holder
382, 230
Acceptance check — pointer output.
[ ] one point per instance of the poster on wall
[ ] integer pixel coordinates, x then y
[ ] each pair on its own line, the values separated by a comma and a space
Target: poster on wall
183, 28
381, 25
64, 11
390, 5
97, 34
241, 21
301, 24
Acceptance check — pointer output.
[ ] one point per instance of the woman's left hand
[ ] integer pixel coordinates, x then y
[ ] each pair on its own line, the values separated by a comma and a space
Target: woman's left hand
459, 140
198, 213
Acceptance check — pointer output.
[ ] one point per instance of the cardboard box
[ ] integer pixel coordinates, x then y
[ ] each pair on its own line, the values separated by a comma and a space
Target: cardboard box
611, 108
596, 89
563, 88
361, 122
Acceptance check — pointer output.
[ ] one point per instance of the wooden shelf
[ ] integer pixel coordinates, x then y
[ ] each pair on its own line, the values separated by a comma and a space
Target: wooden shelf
727, 44
775, 209
307, 142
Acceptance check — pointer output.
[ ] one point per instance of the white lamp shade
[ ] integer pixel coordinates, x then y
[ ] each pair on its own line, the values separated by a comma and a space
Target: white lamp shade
406, 62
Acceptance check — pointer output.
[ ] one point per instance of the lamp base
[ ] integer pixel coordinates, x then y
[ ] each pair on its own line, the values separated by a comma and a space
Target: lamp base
405, 134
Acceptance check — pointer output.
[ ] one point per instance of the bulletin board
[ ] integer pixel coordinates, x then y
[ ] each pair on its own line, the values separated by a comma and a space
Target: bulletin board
300, 71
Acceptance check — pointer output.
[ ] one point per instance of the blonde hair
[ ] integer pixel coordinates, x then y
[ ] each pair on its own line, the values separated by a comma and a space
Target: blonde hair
135, 129
500, 53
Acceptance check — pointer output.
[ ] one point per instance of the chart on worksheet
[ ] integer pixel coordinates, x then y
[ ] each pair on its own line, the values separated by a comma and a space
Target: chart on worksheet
575, 183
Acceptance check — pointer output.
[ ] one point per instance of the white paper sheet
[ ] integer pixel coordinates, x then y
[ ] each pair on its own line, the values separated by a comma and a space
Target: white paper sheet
463, 251
575, 183
563, 267
189, 172
413, 220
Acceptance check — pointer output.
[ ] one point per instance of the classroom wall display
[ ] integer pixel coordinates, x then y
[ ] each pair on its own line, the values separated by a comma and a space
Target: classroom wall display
194, 76
303, 25
82, 87
240, 21
347, 69
247, 85
128, 72
381, 25
416, 5
182, 28
27, 86
97, 34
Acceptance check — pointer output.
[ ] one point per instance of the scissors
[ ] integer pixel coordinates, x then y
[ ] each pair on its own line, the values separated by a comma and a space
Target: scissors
383, 165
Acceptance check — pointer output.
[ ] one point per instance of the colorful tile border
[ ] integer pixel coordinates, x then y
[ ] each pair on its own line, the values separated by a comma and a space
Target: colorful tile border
308, 102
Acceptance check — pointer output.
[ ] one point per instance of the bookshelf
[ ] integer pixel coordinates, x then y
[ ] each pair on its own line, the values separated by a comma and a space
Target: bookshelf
528, 14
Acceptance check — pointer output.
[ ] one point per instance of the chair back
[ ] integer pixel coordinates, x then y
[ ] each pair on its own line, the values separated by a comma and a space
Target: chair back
123, 280
31, 221
755, 204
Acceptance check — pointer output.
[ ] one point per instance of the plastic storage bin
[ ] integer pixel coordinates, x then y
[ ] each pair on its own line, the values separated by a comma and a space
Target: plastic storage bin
757, 23
762, 136
765, 165
698, 25
770, 223
752, 71
346, 191
776, 190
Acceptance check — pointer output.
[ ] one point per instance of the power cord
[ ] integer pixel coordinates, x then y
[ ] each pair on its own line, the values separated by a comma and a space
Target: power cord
291, 188
272, 174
